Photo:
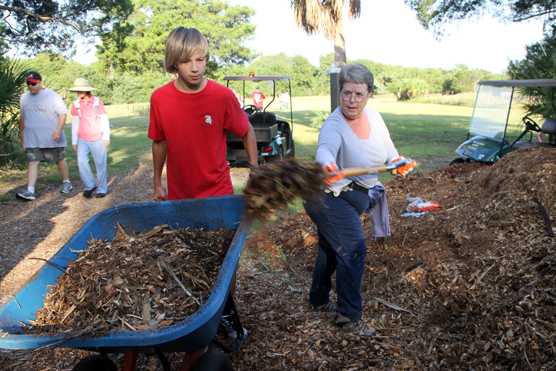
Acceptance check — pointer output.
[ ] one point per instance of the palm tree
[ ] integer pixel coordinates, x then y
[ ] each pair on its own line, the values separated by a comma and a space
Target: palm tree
326, 16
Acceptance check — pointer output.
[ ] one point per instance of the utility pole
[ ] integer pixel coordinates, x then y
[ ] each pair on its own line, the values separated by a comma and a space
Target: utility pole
334, 86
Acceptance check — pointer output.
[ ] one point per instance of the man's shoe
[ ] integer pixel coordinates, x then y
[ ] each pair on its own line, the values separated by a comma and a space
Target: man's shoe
89, 193
66, 188
101, 195
354, 326
27, 195
328, 307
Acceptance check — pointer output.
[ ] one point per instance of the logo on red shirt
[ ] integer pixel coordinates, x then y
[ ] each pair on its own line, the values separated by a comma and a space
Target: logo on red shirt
207, 121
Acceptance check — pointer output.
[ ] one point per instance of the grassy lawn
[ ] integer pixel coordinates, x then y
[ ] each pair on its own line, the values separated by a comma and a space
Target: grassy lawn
419, 130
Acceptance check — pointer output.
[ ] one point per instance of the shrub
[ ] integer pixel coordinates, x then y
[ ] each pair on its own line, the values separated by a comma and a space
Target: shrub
12, 78
407, 89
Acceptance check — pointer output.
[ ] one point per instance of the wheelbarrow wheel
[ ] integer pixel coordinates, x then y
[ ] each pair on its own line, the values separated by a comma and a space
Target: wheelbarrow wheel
95, 362
213, 360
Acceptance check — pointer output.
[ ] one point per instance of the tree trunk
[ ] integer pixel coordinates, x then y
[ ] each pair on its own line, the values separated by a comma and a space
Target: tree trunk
339, 43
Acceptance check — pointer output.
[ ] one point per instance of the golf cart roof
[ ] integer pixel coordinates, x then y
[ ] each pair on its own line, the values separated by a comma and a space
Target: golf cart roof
520, 83
258, 78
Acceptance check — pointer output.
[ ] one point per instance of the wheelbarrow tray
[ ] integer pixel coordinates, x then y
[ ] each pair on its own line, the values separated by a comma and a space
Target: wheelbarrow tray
192, 334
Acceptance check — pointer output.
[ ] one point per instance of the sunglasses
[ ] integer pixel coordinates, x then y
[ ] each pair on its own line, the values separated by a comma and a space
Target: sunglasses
31, 83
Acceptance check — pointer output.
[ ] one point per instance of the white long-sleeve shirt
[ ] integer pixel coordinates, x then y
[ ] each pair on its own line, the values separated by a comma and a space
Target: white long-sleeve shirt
339, 144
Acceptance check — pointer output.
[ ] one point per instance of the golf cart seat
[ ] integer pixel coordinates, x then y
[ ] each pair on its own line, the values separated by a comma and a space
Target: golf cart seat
262, 118
549, 127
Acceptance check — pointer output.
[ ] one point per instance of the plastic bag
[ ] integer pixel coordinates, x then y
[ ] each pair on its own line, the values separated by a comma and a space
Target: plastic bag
417, 205
414, 214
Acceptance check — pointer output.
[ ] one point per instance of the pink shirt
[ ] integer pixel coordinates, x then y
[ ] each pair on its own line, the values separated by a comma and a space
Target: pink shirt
90, 128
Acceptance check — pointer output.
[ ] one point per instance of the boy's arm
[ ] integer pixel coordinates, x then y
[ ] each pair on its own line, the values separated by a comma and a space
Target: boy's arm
160, 150
250, 145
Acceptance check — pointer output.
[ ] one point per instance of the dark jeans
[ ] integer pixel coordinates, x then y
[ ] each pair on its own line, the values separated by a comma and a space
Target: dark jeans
341, 249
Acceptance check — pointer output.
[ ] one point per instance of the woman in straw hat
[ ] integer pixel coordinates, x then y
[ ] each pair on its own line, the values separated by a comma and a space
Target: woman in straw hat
90, 130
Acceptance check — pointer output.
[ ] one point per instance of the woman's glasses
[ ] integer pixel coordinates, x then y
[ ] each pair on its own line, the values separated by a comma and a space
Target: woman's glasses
31, 83
358, 97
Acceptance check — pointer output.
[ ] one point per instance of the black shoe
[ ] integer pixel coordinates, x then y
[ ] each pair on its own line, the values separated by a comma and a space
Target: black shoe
89, 193
101, 195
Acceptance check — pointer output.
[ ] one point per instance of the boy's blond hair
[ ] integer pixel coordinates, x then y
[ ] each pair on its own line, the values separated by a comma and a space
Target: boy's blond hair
181, 44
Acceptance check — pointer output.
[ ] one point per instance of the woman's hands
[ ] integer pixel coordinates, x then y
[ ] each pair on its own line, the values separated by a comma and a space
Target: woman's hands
403, 170
333, 174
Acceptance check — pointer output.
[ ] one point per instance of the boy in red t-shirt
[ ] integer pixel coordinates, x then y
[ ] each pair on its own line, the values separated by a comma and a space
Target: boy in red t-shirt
258, 98
189, 120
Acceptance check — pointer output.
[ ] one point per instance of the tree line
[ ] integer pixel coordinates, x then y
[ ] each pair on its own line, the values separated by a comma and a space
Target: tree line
129, 86
132, 35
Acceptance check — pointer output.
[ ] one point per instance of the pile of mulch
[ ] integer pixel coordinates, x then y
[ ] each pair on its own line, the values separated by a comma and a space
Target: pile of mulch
141, 282
469, 286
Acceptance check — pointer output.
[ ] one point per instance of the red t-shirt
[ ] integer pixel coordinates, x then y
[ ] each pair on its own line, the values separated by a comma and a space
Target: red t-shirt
258, 98
194, 127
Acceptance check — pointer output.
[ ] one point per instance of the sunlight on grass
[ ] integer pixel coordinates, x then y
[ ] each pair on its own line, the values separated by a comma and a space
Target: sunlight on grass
417, 129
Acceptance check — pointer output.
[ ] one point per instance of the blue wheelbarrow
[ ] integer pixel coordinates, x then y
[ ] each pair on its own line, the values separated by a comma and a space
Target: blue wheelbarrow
191, 335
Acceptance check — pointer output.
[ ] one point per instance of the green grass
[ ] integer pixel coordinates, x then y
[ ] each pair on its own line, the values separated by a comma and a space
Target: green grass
417, 129
462, 99
128, 144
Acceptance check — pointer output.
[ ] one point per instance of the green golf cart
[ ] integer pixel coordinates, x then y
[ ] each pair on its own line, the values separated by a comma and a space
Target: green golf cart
488, 138
274, 136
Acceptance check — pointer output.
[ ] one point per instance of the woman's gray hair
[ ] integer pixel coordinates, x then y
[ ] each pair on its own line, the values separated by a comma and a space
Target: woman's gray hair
358, 74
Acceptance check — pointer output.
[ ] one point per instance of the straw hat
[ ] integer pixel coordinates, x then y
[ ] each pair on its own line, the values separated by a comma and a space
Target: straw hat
81, 84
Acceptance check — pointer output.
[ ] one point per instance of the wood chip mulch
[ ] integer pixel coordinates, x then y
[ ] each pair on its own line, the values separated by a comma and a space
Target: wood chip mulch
141, 282
466, 287
272, 187
469, 286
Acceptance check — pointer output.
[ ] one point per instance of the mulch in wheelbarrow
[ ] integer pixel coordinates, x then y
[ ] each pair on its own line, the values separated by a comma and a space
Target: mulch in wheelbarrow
135, 283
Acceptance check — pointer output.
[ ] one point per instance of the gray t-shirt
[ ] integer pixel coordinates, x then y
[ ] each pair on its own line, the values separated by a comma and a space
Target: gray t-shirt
40, 118
340, 145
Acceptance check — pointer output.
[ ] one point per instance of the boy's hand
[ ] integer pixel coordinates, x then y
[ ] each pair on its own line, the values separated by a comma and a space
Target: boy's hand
106, 143
160, 194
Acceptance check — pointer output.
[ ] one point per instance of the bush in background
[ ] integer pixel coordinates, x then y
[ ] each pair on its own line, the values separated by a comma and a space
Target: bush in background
12, 79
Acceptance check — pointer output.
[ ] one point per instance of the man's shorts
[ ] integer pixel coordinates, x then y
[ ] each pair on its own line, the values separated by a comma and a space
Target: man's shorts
48, 155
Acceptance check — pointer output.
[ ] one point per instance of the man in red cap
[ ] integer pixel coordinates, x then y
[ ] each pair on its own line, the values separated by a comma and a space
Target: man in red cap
41, 130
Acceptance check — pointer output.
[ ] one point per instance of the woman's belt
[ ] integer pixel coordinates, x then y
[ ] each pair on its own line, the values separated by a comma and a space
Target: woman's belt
358, 187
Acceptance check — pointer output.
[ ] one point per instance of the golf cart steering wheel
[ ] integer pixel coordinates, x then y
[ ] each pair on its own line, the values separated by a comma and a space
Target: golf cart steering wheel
531, 125
249, 109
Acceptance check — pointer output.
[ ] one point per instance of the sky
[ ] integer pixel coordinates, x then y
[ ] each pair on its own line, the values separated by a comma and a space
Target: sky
388, 32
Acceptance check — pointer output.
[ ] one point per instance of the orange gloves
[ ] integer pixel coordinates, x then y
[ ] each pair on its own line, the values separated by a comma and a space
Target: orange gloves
333, 173
403, 170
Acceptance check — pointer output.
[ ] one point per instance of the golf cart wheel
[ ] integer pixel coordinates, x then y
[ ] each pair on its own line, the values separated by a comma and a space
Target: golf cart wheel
95, 362
458, 160
213, 360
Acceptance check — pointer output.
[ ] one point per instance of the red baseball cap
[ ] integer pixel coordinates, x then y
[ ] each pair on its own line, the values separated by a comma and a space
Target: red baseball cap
33, 77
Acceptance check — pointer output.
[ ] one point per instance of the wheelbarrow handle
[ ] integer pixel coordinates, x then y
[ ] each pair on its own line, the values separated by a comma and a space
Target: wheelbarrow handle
353, 171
